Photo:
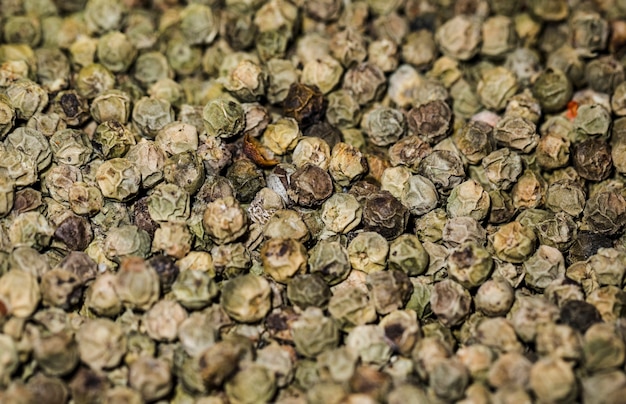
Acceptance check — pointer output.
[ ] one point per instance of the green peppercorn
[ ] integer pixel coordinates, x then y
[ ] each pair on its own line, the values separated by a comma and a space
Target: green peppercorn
553, 90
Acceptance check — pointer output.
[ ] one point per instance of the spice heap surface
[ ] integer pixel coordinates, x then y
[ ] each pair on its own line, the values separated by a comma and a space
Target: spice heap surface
329, 201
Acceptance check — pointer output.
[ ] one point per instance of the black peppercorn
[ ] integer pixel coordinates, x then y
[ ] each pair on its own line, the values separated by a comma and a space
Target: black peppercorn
384, 214
81, 265
361, 190
579, 315
306, 104
586, 245
431, 121
75, 232
167, 270
605, 212
27, 199
142, 218
592, 159
310, 186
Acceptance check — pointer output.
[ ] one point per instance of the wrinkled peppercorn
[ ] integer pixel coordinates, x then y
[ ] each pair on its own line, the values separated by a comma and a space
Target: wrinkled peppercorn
142, 218
587, 244
431, 121
384, 214
310, 186
75, 232
592, 159
304, 103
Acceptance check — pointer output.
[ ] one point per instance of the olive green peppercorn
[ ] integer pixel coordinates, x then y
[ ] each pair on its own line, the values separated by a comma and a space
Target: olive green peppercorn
553, 90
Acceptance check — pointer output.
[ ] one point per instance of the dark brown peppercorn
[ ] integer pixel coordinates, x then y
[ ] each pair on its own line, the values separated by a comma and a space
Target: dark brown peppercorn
167, 270
592, 159
142, 218
409, 151
246, 178
444, 168
384, 214
278, 323
27, 199
75, 232
389, 290
361, 190
310, 186
579, 315
617, 39
605, 212
431, 121
377, 163
306, 104
326, 132
586, 245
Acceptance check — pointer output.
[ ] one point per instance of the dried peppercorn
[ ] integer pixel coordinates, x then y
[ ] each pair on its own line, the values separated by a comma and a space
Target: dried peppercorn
605, 212
304, 103
553, 89
431, 121
166, 269
587, 244
325, 131
71, 107
474, 141
246, 178
384, 125
604, 74
308, 290
310, 186
366, 82
592, 159
75, 232
384, 214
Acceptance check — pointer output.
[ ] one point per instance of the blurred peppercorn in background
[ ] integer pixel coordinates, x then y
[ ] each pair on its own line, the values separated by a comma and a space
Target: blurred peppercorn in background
231, 201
